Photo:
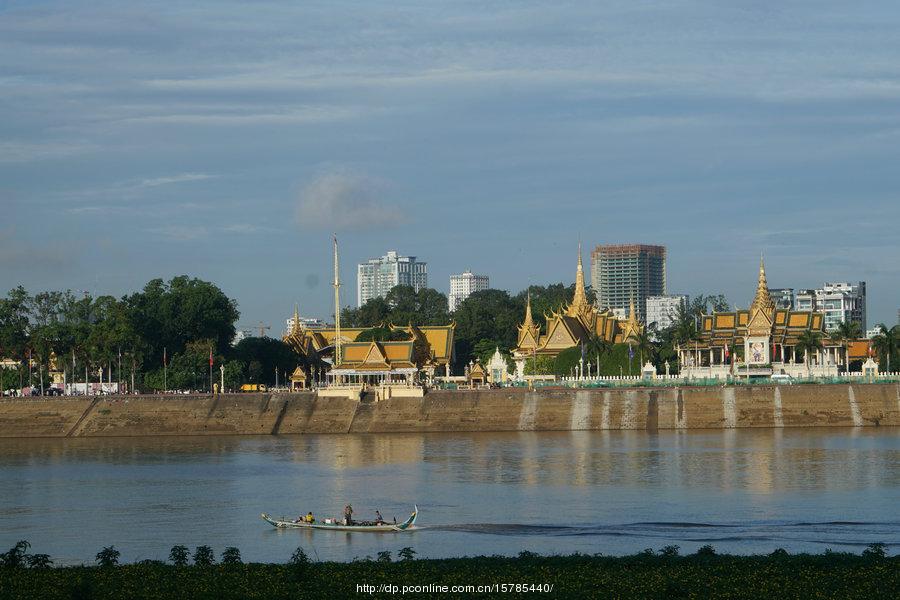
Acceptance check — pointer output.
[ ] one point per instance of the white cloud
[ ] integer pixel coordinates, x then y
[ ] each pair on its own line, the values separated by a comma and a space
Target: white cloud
21, 152
342, 200
182, 233
157, 181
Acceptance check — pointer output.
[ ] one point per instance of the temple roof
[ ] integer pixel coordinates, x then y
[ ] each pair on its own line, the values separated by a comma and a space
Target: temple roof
574, 324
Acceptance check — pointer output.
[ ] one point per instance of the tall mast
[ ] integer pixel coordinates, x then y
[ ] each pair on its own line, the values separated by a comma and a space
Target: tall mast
337, 307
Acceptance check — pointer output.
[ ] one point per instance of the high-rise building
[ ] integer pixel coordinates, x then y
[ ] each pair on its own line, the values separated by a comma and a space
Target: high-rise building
841, 302
376, 277
662, 310
464, 284
305, 322
783, 297
622, 273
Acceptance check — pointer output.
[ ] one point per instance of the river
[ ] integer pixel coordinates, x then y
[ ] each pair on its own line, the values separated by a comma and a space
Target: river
610, 492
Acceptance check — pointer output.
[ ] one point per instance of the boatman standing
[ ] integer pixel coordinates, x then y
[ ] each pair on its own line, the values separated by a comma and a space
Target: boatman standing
348, 515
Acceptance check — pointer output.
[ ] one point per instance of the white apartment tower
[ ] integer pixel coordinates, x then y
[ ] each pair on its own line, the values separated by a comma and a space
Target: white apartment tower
841, 303
663, 310
463, 285
376, 277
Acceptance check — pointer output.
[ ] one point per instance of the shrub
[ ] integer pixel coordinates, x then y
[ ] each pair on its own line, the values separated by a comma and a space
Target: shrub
779, 553
16, 556
299, 563
406, 553
231, 556
108, 557
384, 556
528, 555
669, 550
877, 551
39, 561
179, 556
204, 557
706, 550
299, 558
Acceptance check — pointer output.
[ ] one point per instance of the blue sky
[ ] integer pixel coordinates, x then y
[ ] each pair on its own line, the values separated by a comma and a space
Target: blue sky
228, 140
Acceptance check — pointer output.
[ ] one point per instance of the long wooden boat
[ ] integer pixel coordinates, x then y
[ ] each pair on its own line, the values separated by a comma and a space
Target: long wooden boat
406, 525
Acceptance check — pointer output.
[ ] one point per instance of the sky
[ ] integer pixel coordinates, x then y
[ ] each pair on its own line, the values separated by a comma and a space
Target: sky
228, 140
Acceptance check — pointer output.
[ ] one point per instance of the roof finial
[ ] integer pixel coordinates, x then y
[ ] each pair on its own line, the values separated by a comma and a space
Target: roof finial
528, 320
762, 299
579, 300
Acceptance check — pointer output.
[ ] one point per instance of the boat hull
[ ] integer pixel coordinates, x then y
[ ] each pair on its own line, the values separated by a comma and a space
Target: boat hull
407, 525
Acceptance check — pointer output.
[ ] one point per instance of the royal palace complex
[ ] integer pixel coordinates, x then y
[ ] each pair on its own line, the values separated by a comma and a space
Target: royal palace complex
768, 337
761, 341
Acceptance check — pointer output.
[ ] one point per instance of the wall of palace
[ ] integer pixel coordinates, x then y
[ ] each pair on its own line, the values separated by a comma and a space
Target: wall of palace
514, 409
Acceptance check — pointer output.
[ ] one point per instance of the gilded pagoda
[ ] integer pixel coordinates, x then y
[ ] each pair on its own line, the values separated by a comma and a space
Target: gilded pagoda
572, 325
428, 350
767, 338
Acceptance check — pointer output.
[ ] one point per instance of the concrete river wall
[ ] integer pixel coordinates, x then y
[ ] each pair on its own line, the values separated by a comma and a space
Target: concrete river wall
513, 409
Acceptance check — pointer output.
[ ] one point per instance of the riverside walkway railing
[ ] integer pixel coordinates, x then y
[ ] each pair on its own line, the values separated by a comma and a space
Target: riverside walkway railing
678, 381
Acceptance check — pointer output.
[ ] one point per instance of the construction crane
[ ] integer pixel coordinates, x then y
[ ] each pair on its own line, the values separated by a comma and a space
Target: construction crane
260, 326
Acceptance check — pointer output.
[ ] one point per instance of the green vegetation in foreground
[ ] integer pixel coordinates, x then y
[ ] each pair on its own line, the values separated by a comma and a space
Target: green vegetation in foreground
645, 575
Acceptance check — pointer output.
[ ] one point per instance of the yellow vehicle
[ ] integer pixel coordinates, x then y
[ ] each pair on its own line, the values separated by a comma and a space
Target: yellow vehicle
254, 387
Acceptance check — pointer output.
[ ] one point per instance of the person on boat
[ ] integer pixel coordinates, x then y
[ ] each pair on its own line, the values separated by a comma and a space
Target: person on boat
348, 515
378, 519
309, 517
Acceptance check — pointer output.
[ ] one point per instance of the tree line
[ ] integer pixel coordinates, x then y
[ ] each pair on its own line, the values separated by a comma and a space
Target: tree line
160, 337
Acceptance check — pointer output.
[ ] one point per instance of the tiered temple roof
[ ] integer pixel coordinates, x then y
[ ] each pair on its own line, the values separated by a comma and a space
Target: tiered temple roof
784, 326
430, 345
575, 323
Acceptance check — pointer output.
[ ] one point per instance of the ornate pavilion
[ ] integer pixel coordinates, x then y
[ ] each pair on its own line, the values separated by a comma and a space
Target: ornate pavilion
428, 349
569, 327
768, 337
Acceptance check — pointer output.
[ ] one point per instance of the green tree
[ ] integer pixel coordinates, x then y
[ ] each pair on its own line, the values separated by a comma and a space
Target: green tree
231, 556
262, 356
204, 557
14, 323
169, 315
108, 557
382, 334
179, 556
490, 316
886, 344
375, 312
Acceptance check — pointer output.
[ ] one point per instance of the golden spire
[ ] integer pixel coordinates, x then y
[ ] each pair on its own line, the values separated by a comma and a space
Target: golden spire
296, 326
762, 300
529, 323
631, 312
579, 301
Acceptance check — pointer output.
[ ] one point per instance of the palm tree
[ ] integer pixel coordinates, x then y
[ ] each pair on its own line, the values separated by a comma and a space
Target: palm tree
886, 343
643, 343
845, 332
685, 325
809, 341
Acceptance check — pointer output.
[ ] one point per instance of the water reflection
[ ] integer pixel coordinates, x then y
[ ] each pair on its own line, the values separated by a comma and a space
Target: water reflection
481, 493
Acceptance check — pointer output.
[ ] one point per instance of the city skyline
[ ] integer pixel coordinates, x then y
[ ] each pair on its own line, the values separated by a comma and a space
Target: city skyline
226, 148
